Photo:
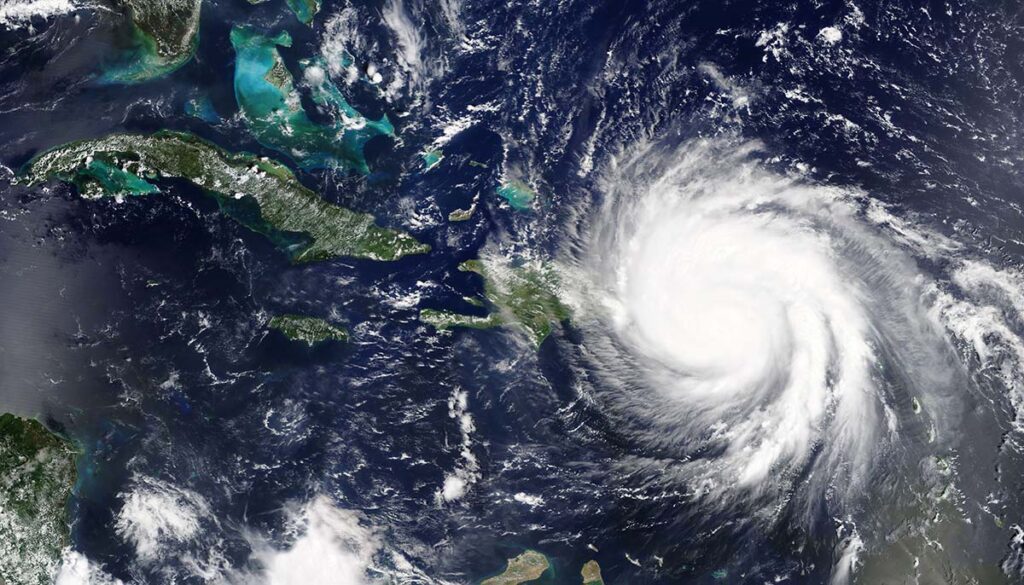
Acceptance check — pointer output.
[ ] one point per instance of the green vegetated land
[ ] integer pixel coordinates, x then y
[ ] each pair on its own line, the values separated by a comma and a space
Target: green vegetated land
261, 193
164, 36
37, 475
310, 330
520, 295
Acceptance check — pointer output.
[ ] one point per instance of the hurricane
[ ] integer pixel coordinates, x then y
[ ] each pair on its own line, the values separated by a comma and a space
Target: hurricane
486, 292
754, 327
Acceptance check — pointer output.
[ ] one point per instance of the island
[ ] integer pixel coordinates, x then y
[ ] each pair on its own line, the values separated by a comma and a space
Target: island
521, 294
465, 214
431, 158
518, 194
164, 36
37, 475
260, 193
447, 320
304, 10
310, 330
524, 568
272, 107
592, 574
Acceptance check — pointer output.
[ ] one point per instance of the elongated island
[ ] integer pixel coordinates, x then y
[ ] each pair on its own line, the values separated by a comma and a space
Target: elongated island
261, 193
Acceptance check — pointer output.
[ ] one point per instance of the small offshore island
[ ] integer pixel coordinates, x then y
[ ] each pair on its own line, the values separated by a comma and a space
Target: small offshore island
591, 574
124, 164
520, 295
37, 475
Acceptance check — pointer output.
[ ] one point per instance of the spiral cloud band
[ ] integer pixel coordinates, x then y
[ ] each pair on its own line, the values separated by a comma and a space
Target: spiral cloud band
747, 321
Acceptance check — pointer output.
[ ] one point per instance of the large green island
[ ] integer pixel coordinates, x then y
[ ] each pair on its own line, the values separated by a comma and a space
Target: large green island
309, 330
37, 474
521, 295
261, 193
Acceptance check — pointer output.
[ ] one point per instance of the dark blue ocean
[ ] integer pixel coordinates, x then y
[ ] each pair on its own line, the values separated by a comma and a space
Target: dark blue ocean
137, 327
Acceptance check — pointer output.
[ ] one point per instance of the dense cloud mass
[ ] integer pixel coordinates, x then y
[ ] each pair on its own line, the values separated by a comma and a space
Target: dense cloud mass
752, 324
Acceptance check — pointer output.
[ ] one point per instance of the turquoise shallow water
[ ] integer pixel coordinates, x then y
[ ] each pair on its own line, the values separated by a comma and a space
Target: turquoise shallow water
304, 10
203, 109
114, 179
267, 96
140, 61
518, 194
255, 57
